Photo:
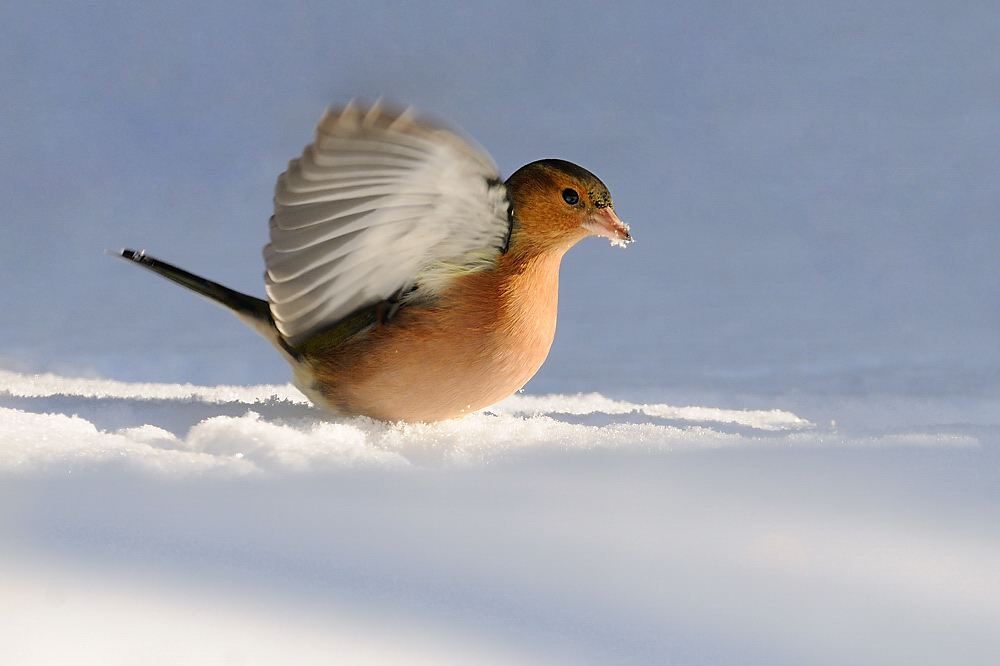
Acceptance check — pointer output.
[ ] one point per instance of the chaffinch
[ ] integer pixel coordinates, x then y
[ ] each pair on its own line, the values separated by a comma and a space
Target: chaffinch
405, 280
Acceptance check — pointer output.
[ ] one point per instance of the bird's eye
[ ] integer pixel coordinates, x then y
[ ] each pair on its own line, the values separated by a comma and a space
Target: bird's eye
570, 196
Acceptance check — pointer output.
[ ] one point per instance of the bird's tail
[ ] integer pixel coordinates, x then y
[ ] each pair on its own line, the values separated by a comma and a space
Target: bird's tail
254, 312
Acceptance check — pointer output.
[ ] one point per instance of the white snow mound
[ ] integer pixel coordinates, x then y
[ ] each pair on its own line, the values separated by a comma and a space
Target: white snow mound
55, 423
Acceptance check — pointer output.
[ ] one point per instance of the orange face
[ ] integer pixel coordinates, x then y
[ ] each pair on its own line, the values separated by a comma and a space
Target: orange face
557, 203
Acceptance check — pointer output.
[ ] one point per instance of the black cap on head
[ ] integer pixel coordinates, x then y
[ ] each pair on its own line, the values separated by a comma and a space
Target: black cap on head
596, 190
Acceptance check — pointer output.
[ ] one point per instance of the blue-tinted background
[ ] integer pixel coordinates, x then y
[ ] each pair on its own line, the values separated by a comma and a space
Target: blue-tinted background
813, 186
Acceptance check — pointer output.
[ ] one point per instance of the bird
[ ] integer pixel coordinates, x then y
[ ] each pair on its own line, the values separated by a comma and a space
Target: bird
405, 280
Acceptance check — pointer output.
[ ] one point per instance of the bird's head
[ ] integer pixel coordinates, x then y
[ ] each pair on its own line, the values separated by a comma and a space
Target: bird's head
557, 203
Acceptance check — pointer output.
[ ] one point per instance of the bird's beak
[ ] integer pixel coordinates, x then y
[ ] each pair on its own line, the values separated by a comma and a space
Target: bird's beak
604, 222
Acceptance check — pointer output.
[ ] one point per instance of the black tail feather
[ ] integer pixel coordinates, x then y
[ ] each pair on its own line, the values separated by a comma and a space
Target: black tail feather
254, 312
242, 304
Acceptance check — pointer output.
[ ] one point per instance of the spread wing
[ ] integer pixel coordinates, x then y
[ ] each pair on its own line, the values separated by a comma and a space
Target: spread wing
381, 205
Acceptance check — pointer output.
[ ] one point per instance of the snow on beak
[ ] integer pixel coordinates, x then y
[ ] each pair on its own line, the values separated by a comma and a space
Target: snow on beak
604, 222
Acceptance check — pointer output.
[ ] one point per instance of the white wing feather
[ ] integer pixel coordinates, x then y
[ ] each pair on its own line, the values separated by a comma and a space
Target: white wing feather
378, 206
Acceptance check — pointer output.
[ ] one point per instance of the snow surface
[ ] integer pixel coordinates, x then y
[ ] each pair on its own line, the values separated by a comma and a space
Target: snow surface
166, 523
274, 428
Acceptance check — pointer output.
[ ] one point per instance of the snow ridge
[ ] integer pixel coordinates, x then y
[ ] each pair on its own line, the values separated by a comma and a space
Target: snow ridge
56, 423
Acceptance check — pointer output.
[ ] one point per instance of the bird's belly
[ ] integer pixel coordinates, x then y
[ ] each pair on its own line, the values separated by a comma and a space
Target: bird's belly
431, 370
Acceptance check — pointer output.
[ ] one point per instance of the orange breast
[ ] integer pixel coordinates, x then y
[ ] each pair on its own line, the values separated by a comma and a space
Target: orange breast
476, 345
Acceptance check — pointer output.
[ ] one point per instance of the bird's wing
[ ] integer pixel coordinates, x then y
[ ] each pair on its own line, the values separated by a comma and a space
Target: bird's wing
379, 206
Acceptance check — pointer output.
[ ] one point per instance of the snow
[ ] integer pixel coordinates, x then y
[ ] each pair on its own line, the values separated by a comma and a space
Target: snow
51, 618
244, 430
768, 431
197, 524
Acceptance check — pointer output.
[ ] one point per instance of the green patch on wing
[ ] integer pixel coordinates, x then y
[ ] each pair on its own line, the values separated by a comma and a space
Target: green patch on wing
339, 333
